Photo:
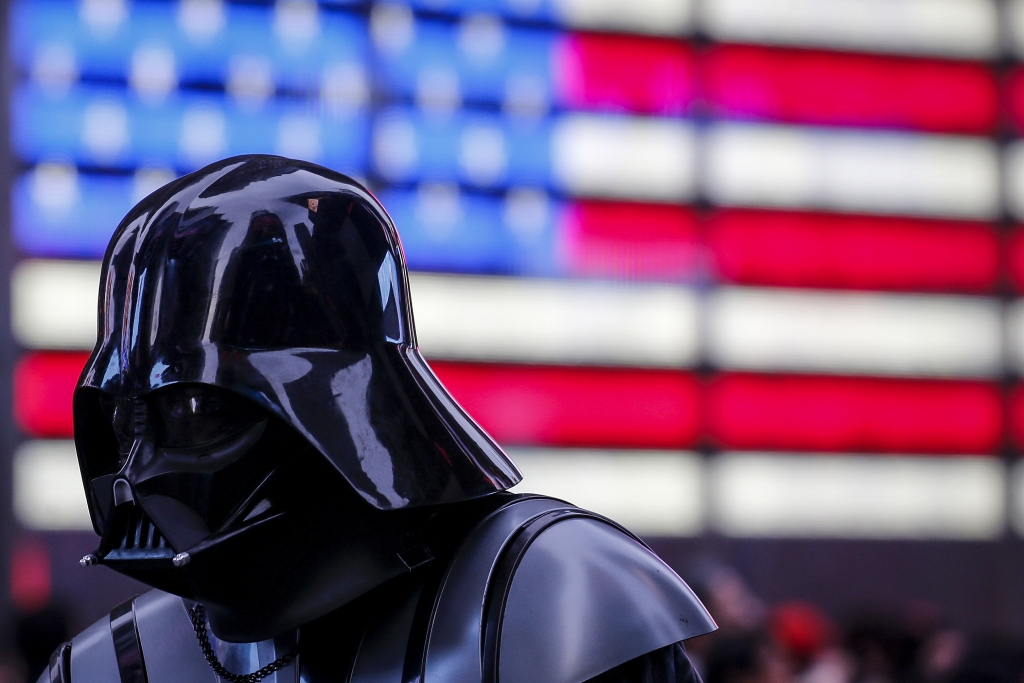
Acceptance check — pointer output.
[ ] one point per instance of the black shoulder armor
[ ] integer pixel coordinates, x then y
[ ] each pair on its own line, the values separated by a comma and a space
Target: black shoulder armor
540, 592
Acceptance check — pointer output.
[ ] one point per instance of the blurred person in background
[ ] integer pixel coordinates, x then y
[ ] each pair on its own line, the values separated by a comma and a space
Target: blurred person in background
37, 635
728, 596
807, 639
900, 645
730, 601
745, 657
941, 654
40, 621
989, 658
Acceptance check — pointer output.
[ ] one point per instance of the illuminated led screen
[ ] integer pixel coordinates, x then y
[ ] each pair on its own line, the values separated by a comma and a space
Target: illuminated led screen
744, 266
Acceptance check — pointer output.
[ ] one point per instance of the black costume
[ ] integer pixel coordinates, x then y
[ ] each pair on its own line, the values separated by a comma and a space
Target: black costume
261, 441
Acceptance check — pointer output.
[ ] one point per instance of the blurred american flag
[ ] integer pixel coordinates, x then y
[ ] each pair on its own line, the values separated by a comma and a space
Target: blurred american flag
735, 266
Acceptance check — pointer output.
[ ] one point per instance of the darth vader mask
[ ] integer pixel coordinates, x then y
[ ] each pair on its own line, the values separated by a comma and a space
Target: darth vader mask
256, 428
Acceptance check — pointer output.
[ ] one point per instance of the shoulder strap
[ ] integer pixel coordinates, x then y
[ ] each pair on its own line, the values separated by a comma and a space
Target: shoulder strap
91, 656
147, 639
125, 633
501, 582
394, 645
452, 649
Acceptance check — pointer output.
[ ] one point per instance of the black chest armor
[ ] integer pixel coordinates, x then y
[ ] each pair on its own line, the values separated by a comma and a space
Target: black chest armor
539, 591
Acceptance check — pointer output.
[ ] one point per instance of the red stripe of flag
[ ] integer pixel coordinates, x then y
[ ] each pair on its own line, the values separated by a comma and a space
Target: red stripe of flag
818, 87
578, 406
44, 382
861, 252
516, 404
852, 414
781, 248
640, 241
637, 408
624, 73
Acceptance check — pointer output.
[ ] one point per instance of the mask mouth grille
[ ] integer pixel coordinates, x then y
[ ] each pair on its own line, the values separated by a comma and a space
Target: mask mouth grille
141, 539
141, 533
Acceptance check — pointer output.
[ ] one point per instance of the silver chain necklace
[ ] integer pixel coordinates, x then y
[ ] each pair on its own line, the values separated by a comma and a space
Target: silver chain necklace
198, 616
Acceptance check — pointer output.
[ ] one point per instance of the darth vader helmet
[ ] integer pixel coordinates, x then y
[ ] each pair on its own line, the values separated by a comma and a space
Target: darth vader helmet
256, 428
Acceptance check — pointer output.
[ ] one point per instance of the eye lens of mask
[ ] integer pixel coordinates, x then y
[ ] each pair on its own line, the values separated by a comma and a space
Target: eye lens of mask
120, 413
192, 416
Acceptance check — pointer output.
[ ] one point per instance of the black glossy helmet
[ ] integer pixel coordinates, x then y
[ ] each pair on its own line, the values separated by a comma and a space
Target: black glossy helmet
256, 351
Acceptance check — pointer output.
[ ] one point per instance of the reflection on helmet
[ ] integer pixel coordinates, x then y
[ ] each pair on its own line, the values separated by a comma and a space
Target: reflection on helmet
255, 405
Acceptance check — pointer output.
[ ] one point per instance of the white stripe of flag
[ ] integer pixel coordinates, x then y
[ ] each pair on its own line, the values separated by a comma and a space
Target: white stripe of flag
625, 157
887, 334
663, 17
680, 493
874, 172
957, 28
574, 322
857, 496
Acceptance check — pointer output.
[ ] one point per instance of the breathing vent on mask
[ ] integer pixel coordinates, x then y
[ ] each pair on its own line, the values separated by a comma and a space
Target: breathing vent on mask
140, 540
